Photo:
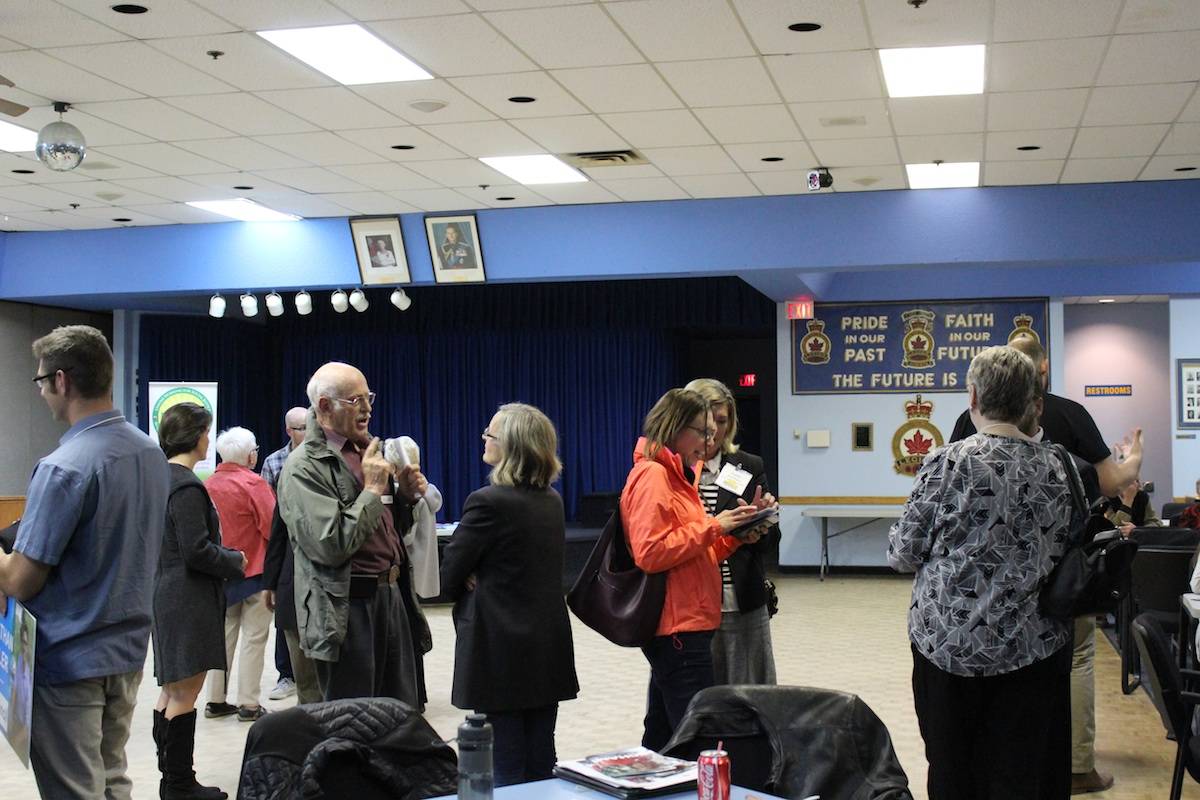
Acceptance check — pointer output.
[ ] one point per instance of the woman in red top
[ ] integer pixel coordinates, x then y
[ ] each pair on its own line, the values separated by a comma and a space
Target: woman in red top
669, 531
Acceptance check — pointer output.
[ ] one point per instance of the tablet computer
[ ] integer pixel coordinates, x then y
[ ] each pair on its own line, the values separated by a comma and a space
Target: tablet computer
743, 530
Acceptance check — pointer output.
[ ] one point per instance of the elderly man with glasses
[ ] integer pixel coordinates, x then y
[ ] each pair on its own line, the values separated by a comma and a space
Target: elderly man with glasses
346, 509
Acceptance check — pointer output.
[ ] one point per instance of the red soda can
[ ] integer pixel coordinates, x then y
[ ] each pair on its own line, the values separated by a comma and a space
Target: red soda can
712, 775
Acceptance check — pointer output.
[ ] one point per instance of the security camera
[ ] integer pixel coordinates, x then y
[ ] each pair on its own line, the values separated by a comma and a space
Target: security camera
818, 179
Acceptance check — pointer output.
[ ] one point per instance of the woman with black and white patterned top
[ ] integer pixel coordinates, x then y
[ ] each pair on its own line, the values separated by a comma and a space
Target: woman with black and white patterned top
986, 522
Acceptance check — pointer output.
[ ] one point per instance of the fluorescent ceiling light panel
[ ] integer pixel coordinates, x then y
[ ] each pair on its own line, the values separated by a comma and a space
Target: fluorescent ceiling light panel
933, 71
347, 53
532, 170
15, 139
943, 176
243, 209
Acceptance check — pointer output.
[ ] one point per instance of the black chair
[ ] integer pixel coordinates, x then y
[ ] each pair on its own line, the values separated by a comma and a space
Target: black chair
1171, 511
1172, 689
595, 509
1161, 571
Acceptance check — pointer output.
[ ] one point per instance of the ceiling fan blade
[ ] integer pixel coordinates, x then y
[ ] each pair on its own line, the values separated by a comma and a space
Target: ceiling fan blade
12, 109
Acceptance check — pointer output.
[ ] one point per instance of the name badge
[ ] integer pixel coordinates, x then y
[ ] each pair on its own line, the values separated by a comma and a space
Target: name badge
386, 499
734, 479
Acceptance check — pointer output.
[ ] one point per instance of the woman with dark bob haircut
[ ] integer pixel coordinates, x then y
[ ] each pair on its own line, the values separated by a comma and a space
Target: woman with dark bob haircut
189, 601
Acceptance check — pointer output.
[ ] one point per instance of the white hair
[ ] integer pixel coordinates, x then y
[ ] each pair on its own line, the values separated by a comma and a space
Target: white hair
319, 385
235, 445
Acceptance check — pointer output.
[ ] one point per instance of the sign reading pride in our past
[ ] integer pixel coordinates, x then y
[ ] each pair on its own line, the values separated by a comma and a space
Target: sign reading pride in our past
904, 347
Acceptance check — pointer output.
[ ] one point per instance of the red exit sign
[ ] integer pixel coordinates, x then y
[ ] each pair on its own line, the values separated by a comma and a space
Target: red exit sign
748, 379
801, 308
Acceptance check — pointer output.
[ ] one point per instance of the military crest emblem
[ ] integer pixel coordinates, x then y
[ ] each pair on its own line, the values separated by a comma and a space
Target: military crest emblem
1023, 326
815, 346
916, 438
918, 338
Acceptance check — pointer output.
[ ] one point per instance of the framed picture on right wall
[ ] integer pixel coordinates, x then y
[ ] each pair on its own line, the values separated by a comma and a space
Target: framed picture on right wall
1187, 395
454, 248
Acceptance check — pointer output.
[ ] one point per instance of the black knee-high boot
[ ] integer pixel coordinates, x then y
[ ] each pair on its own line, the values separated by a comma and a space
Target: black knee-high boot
179, 777
160, 724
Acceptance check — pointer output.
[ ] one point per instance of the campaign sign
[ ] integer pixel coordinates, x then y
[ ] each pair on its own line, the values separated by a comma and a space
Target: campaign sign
904, 347
18, 638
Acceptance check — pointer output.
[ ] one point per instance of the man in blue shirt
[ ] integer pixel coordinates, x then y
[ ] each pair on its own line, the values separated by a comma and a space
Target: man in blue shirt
83, 564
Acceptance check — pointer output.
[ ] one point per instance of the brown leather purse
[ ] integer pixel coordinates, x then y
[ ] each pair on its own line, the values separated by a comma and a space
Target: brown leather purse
615, 598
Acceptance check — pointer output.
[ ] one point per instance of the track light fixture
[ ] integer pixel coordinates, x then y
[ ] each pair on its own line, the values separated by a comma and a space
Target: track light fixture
358, 301
274, 304
216, 306
249, 305
339, 301
401, 300
303, 303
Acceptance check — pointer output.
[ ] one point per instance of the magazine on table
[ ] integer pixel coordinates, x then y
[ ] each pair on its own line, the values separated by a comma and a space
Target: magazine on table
632, 772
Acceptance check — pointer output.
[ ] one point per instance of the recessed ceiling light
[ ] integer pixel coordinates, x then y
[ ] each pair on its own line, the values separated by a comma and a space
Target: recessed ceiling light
243, 209
531, 170
771, 158
943, 176
122, 219
1177, 169
522, 99
1107, 300
16, 139
403, 147
347, 53
804, 27
933, 71
243, 188
129, 8
506, 198
22, 171
1028, 147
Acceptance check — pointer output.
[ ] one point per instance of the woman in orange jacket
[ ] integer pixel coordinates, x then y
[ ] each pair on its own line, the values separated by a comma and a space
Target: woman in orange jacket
669, 531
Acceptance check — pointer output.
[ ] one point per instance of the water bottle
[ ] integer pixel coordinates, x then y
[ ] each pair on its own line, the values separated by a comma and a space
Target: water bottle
475, 758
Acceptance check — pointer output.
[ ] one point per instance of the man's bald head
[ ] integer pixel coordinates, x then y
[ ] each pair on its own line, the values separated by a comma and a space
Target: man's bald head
339, 394
295, 421
331, 380
1030, 346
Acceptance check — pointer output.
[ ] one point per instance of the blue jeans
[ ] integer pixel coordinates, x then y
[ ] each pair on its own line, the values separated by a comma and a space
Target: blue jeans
523, 748
680, 666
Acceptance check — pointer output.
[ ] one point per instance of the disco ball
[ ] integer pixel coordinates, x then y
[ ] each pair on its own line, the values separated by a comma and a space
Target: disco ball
60, 146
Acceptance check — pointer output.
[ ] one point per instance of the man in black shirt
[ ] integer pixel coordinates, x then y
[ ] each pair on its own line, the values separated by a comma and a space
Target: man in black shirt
1068, 423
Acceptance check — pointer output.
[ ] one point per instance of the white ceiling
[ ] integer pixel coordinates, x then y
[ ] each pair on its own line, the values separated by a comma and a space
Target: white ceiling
705, 89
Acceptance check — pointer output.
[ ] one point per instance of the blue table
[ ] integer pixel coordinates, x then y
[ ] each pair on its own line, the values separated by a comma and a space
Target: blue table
557, 789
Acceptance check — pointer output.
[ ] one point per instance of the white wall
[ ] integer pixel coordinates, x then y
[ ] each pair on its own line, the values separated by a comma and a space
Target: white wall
1185, 343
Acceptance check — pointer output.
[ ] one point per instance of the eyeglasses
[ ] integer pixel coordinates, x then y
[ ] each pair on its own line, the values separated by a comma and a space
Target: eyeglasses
703, 433
355, 401
300, 428
488, 435
38, 379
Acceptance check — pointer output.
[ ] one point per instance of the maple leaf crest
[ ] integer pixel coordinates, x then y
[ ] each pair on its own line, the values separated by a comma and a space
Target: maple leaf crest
918, 445
918, 343
816, 345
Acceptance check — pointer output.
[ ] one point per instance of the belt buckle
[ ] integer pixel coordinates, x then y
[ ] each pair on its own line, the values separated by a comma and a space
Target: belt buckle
393, 574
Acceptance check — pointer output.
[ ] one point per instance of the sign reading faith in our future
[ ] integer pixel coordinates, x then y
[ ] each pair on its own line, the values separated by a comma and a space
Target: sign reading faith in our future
904, 347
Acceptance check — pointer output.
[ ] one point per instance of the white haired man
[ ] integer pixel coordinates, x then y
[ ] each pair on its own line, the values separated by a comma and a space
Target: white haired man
245, 505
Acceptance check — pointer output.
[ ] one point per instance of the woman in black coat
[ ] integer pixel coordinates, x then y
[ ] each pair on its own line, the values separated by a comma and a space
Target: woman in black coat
514, 659
189, 601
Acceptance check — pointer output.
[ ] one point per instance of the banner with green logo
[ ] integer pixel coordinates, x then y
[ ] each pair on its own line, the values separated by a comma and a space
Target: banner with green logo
165, 394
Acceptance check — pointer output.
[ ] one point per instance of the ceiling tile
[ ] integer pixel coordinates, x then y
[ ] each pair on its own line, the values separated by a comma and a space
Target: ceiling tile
948, 148
8, 44
312, 179
1054, 144
610, 173
9, 205
767, 22
795, 155
703, 160
242, 113
167, 18
493, 91
1140, 16
1101, 170
37, 72
155, 119
141, 67
1151, 58
658, 128
45, 24
261, 15
1135, 105
863, 179
164, 158
176, 189
501, 5
330, 107
634, 87
856, 152
321, 148
1118, 140
1020, 20
580, 134
1184, 138
698, 29
98, 132
103, 193
103, 166
813, 77
385, 177
249, 63
436, 200
577, 193
380, 141
370, 203
642, 189
732, 81
478, 49
242, 153
305, 205
566, 36
740, 124
135, 216
179, 213
1191, 112
899, 25
851, 119
460, 172
1048, 64
390, 9
1162, 168
61, 220
225, 181
1021, 173
42, 197
398, 97
485, 138
731, 185
789, 181
1019, 111
914, 116
13, 224
522, 196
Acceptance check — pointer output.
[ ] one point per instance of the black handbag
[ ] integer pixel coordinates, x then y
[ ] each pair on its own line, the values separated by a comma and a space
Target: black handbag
1094, 573
615, 598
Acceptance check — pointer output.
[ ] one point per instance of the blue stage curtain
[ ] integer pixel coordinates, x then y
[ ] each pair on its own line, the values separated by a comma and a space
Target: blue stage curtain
594, 356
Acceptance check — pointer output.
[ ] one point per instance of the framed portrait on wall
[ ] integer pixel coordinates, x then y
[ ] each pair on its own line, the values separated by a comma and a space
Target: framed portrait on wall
1187, 393
379, 247
455, 249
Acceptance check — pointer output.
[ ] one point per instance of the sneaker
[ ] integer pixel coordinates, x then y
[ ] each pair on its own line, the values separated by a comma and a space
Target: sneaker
214, 710
285, 688
248, 714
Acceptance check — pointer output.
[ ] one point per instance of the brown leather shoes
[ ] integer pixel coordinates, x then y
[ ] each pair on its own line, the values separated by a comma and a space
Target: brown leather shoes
1088, 782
